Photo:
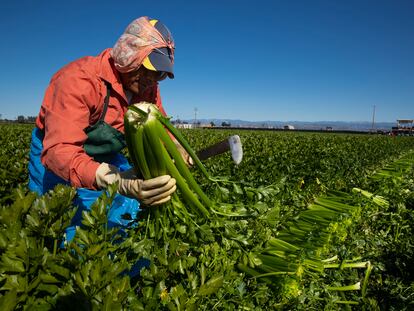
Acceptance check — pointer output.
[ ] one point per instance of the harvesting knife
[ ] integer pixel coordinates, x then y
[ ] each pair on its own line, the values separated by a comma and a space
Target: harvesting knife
232, 144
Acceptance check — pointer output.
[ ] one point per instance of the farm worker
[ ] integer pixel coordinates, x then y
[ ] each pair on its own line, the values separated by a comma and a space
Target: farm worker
79, 130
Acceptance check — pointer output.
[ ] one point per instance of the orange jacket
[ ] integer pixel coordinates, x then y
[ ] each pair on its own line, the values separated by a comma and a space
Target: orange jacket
74, 100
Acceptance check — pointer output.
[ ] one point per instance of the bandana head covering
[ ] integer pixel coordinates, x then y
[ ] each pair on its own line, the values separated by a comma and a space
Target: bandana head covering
137, 42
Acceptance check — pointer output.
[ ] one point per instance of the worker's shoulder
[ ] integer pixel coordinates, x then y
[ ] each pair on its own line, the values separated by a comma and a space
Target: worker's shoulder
84, 67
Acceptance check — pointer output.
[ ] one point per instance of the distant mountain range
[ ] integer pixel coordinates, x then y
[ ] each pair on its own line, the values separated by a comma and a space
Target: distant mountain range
302, 125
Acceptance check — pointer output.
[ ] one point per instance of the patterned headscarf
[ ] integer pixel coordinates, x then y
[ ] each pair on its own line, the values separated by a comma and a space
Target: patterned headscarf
137, 42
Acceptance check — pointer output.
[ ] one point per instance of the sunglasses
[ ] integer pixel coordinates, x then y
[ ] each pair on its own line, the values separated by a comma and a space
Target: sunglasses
159, 75
155, 75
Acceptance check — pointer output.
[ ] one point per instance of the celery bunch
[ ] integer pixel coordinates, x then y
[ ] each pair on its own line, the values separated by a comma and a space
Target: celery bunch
154, 153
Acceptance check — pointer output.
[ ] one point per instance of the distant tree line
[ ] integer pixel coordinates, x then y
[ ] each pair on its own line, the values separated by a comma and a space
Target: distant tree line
23, 119
20, 119
198, 123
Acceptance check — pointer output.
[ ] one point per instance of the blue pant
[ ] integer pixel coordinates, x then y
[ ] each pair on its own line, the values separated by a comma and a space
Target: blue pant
42, 180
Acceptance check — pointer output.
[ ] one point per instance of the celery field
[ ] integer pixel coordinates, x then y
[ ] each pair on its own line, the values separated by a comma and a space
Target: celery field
307, 221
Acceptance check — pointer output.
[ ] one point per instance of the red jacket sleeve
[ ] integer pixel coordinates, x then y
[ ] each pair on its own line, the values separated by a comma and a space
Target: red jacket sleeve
66, 111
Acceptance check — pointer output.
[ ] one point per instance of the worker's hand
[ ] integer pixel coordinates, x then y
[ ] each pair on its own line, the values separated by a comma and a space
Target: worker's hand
153, 191
184, 154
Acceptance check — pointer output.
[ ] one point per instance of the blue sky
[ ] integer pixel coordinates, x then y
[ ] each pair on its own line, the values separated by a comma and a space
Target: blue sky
251, 60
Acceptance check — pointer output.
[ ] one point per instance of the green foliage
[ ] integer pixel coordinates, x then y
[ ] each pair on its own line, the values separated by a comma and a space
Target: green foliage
278, 207
14, 155
31, 272
308, 162
88, 273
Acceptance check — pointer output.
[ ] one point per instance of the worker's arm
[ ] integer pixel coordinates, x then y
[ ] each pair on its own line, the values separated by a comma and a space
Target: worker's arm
65, 113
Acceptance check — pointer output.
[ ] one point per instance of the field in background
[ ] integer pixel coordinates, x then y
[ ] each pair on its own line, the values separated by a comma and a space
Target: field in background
311, 160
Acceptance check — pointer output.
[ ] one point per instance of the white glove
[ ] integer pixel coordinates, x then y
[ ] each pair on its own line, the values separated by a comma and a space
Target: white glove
153, 191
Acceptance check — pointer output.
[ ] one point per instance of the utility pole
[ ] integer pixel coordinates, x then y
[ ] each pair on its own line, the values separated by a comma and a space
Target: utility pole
195, 117
373, 120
